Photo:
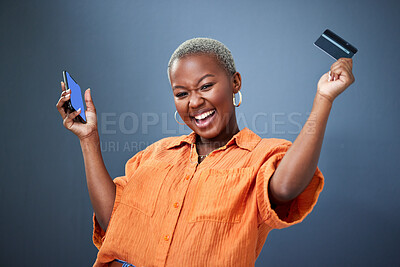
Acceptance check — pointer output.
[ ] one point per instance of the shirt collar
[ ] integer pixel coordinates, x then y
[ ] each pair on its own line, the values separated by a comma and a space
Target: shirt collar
245, 139
190, 139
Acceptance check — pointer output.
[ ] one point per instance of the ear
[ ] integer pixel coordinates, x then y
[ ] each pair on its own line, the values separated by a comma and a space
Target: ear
236, 82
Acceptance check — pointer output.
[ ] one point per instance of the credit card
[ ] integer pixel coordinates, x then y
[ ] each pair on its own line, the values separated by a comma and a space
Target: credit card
334, 45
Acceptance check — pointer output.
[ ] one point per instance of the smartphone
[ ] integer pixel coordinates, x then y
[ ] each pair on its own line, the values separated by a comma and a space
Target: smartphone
334, 45
76, 100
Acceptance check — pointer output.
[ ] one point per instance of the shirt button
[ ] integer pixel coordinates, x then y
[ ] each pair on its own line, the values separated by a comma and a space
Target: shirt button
187, 177
176, 205
166, 238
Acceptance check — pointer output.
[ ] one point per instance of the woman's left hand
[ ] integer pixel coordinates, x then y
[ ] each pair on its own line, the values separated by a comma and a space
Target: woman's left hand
334, 82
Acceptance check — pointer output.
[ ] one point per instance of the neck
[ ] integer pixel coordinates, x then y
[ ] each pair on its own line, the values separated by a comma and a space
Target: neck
218, 141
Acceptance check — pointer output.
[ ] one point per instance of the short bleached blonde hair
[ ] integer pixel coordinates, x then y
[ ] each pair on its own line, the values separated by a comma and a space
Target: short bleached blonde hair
205, 46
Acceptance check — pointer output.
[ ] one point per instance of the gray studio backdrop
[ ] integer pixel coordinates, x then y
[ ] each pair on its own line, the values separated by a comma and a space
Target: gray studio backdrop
120, 49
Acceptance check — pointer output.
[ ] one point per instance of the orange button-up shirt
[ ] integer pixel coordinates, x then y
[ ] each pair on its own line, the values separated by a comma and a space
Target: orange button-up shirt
171, 211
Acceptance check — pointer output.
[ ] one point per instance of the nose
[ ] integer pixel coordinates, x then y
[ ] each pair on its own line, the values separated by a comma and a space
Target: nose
196, 100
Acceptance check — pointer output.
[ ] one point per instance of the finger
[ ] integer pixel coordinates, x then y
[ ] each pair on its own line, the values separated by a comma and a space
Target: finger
346, 71
345, 62
343, 73
336, 72
342, 68
62, 86
348, 61
341, 62
336, 63
60, 104
69, 119
335, 75
66, 92
89, 101
345, 59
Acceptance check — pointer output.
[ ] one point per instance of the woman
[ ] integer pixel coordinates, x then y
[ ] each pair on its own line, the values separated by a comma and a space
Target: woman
209, 198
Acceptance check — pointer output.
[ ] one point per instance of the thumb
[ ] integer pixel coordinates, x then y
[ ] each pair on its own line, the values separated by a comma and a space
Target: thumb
89, 101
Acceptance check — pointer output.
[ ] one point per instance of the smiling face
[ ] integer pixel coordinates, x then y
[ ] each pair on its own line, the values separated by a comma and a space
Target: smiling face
203, 91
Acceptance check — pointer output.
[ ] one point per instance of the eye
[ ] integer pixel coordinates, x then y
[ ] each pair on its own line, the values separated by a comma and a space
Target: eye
208, 85
181, 94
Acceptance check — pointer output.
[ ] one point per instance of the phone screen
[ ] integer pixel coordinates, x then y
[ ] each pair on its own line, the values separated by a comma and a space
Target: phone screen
76, 95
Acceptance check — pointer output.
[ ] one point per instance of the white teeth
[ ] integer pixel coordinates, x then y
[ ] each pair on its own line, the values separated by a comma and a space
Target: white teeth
204, 115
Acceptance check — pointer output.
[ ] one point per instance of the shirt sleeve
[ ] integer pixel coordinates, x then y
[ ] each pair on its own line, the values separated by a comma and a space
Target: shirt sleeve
296, 210
120, 182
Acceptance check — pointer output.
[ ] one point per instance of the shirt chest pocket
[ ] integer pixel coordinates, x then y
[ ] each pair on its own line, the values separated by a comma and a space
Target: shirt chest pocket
143, 188
220, 195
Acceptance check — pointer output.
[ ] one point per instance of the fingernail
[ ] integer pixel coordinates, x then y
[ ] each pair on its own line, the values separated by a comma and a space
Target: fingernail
79, 109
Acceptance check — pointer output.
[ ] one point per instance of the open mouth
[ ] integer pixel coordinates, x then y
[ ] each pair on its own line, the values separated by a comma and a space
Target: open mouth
204, 119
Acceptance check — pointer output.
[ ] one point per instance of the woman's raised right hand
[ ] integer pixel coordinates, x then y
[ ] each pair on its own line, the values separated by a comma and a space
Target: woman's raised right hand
82, 130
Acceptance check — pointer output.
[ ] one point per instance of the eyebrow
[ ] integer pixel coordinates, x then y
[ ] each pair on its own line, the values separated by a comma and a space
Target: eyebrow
202, 78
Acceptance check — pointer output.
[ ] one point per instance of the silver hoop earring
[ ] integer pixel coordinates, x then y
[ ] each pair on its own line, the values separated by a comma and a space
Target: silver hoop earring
240, 99
176, 112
